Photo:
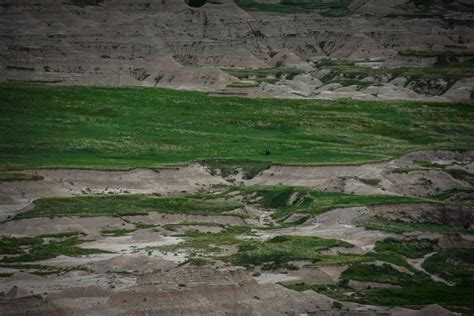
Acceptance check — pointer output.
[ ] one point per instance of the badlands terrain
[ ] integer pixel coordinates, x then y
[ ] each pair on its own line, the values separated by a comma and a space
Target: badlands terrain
236, 158
361, 49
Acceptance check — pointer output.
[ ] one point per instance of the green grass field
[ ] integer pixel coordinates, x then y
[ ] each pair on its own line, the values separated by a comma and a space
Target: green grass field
87, 206
414, 248
120, 128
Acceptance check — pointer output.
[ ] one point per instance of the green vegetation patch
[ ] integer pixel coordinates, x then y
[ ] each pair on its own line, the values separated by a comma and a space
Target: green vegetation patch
209, 243
13, 246
369, 181
456, 298
453, 264
243, 84
411, 248
414, 291
117, 232
450, 193
83, 3
18, 176
329, 9
272, 254
195, 261
279, 251
35, 249
141, 225
122, 128
383, 273
128, 205
315, 202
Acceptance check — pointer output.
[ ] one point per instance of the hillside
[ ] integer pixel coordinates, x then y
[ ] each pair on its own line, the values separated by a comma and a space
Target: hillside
148, 43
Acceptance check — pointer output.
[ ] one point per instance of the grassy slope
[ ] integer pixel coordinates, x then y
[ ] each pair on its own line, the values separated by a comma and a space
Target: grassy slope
126, 205
454, 264
46, 126
316, 202
417, 289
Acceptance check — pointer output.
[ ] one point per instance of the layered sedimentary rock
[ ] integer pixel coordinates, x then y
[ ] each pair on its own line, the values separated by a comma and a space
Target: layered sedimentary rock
166, 43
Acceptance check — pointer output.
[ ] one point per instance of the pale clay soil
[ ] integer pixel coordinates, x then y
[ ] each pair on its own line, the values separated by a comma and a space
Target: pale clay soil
136, 277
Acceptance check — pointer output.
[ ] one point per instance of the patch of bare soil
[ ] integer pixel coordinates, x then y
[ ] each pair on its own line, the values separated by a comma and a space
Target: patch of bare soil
198, 228
456, 241
68, 182
125, 245
44, 225
231, 291
337, 224
32, 305
47, 285
417, 264
162, 219
131, 264
451, 215
350, 179
137, 278
319, 275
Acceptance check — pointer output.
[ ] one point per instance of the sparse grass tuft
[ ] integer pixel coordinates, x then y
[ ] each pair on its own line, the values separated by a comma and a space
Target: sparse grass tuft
369, 181
17, 176
230, 167
243, 84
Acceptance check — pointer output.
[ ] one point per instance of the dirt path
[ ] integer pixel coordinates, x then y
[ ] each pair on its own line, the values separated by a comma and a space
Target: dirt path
418, 264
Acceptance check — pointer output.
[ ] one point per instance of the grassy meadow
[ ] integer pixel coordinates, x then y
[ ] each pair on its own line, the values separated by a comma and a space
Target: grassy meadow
120, 128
